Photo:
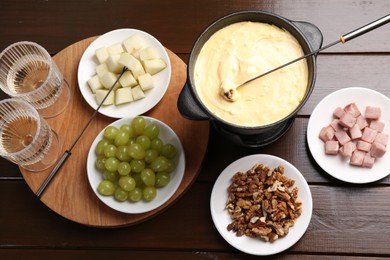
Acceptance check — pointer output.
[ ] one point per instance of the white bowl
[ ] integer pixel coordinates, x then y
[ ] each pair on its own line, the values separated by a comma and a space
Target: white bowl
163, 194
87, 69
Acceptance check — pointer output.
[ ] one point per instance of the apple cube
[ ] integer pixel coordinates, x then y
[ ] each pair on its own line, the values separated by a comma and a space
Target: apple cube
123, 95
145, 81
132, 64
148, 53
101, 54
101, 93
101, 69
94, 83
108, 80
127, 80
154, 66
137, 93
115, 49
113, 64
133, 43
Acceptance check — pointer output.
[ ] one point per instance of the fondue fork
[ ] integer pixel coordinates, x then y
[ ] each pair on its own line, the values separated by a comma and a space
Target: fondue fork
232, 95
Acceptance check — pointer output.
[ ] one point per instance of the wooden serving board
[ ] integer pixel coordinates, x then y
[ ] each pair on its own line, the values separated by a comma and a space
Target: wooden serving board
69, 194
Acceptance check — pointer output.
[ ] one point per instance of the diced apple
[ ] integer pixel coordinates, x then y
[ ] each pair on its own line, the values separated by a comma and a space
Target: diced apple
145, 81
127, 80
132, 64
101, 69
94, 83
113, 64
154, 66
137, 93
133, 43
115, 49
148, 53
123, 95
101, 93
108, 80
101, 54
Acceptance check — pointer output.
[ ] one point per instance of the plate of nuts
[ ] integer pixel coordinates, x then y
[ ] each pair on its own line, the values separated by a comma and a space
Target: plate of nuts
261, 204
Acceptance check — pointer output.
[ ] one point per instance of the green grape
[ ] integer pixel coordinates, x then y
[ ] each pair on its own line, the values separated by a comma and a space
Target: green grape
131, 141
148, 177
110, 176
137, 165
127, 129
122, 153
120, 194
100, 146
136, 151
127, 183
109, 150
144, 141
149, 193
111, 164
157, 144
168, 150
152, 131
159, 164
150, 155
110, 132
100, 162
138, 125
106, 188
137, 177
135, 195
121, 138
162, 179
171, 166
124, 168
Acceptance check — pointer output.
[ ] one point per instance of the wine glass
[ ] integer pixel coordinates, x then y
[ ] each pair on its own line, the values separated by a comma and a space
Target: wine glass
25, 137
27, 71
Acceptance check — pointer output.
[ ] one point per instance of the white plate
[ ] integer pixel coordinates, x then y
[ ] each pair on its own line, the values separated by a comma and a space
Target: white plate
221, 217
322, 115
88, 63
163, 194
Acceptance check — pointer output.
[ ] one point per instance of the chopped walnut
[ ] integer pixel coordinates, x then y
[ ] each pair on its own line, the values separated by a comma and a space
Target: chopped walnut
262, 203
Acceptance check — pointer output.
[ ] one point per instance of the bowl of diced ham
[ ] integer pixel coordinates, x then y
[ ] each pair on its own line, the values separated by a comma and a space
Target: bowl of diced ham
348, 135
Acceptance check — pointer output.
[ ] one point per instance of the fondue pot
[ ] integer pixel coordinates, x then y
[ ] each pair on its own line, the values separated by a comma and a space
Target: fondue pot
190, 105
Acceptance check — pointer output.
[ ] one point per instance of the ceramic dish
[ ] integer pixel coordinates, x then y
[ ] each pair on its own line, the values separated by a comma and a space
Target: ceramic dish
337, 166
221, 217
88, 63
163, 194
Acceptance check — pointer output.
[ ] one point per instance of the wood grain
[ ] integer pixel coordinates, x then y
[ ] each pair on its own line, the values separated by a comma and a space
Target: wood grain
69, 194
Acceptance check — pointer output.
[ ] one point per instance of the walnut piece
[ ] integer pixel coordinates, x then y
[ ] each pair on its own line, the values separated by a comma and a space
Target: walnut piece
262, 203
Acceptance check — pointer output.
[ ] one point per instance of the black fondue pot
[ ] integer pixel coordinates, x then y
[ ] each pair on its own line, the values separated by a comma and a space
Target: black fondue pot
191, 106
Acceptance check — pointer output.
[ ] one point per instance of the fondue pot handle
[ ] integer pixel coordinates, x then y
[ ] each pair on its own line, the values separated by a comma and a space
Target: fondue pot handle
188, 106
311, 32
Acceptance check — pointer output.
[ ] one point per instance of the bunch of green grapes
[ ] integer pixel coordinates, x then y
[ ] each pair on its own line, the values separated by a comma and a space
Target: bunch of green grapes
134, 161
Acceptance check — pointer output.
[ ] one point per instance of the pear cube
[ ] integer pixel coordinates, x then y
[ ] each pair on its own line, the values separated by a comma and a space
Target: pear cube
132, 64
127, 80
108, 80
148, 53
112, 63
154, 66
94, 83
101, 69
101, 93
133, 43
123, 95
115, 49
101, 54
137, 93
145, 81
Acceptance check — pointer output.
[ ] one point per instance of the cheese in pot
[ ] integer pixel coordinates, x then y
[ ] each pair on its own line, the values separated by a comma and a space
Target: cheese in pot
240, 52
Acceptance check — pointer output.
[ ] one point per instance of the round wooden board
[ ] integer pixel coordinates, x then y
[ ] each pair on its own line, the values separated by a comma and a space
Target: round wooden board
69, 194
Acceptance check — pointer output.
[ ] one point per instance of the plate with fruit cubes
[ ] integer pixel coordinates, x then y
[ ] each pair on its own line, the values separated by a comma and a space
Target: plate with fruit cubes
142, 85
348, 135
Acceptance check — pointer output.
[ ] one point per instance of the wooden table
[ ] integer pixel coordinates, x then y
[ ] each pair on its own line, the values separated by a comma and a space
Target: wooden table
348, 221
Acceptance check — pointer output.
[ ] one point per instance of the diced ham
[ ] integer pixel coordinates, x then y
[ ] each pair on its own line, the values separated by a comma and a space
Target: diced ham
342, 137
377, 125
377, 150
357, 158
347, 149
332, 147
372, 113
382, 139
368, 161
363, 146
336, 126
352, 109
369, 135
326, 133
338, 112
347, 120
355, 132
361, 121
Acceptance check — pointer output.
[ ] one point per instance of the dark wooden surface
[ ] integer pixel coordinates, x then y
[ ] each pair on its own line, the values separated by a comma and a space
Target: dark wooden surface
349, 221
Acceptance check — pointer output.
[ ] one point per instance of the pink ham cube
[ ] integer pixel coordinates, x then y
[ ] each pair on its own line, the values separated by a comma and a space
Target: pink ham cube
352, 109
377, 150
338, 112
377, 125
355, 132
342, 137
382, 139
361, 121
369, 135
372, 113
363, 146
347, 149
368, 161
347, 120
336, 126
332, 147
326, 133
357, 158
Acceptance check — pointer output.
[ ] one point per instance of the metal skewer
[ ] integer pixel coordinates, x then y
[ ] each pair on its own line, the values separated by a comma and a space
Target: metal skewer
68, 152
229, 94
